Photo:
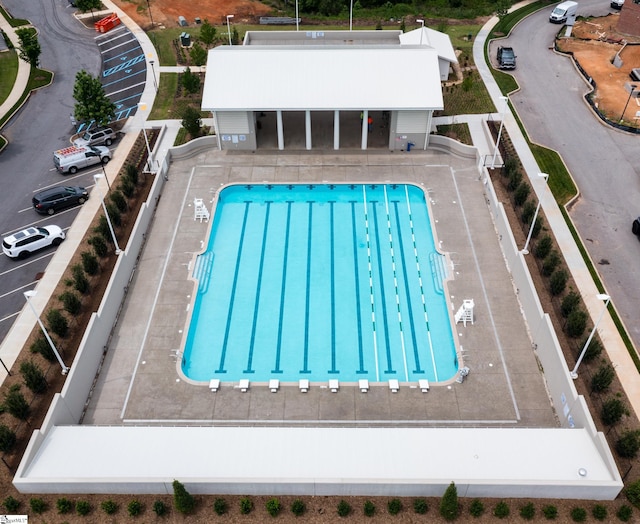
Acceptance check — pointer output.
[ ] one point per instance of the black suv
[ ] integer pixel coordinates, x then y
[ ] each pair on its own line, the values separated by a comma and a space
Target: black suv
55, 198
506, 58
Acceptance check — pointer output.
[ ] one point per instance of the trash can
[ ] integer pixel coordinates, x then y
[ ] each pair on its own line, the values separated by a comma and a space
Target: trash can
410, 145
185, 39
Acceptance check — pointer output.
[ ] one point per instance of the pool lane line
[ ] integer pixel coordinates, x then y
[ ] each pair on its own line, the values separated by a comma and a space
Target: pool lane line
424, 303
395, 282
356, 281
333, 369
383, 296
234, 286
416, 354
305, 358
254, 325
372, 296
282, 289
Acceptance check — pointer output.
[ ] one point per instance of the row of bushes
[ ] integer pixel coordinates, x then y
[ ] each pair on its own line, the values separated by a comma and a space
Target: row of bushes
449, 507
571, 307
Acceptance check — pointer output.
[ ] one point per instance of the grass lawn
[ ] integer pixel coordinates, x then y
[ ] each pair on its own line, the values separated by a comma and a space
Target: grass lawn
8, 73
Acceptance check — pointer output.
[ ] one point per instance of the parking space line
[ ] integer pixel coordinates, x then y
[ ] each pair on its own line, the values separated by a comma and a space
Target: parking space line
128, 87
117, 31
10, 316
16, 290
27, 263
35, 222
133, 49
118, 45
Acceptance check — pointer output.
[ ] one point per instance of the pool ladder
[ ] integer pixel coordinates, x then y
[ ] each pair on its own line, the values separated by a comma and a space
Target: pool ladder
202, 270
438, 271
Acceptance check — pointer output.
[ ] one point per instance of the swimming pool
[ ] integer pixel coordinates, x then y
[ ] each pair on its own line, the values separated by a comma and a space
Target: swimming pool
319, 282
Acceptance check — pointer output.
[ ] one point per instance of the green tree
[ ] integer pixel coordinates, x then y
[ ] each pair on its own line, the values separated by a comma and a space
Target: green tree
192, 121
207, 33
184, 501
190, 82
198, 56
449, 503
15, 403
92, 103
502, 8
29, 46
33, 377
7, 439
88, 5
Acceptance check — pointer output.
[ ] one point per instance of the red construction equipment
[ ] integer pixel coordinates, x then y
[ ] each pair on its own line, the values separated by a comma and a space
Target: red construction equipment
107, 23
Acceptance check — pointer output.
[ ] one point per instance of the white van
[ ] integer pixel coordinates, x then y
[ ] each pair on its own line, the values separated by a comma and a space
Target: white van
563, 12
70, 159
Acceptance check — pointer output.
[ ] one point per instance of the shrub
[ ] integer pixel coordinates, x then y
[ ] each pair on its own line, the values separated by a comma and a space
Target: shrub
99, 245
11, 504
628, 444
344, 508
57, 322
89, 263
528, 210
159, 508
394, 506
15, 403
521, 194
103, 229
119, 200
369, 508
558, 282
183, 500
599, 512
514, 180
71, 303
632, 492
37, 505
114, 215
246, 506
510, 166
551, 262
220, 506
594, 349
476, 509
64, 505
602, 378
131, 174
134, 508
579, 514
612, 411
298, 507
41, 345
449, 503
33, 377
550, 512
80, 282
501, 510
625, 513
543, 247
576, 323
83, 507
528, 511
420, 506
569, 303
7, 439
273, 507
127, 187
537, 227
109, 507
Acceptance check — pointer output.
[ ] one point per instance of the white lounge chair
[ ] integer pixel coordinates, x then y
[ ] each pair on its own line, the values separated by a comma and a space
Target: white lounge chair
214, 384
244, 385
423, 384
394, 386
274, 384
303, 384
334, 385
363, 384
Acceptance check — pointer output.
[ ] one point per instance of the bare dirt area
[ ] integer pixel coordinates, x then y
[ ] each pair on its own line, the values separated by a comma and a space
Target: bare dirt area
166, 12
594, 44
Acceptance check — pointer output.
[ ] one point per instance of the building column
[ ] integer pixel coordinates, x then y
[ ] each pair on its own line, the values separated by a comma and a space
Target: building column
217, 130
307, 127
336, 130
426, 138
280, 130
365, 128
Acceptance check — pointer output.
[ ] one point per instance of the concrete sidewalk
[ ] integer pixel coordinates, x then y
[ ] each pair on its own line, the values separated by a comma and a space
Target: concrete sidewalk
612, 341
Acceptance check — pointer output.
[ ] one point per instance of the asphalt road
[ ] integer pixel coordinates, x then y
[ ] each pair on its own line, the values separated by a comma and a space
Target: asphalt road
604, 162
42, 126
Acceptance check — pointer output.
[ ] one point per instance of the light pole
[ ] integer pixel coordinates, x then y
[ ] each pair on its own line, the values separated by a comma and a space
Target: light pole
229, 28
633, 88
150, 16
606, 299
106, 214
421, 29
525, 249
495, 150
351, 16
297, 18
153, 71
143, 107
28, 295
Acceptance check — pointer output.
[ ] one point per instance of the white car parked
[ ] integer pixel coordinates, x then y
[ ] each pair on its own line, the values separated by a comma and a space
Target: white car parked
25, 242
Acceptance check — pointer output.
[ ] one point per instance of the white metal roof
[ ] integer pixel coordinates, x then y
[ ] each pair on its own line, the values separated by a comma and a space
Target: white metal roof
439, 41
321, 78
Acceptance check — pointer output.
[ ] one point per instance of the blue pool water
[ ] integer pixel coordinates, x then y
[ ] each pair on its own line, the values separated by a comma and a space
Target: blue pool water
320, 282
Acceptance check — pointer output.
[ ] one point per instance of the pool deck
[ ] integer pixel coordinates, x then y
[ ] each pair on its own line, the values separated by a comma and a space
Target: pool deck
140, 383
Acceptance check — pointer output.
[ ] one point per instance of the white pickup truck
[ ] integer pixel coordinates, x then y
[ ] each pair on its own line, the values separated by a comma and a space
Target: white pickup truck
70, 159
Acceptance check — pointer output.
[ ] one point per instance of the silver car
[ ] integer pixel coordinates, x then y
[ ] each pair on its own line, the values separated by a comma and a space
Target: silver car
96, 137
